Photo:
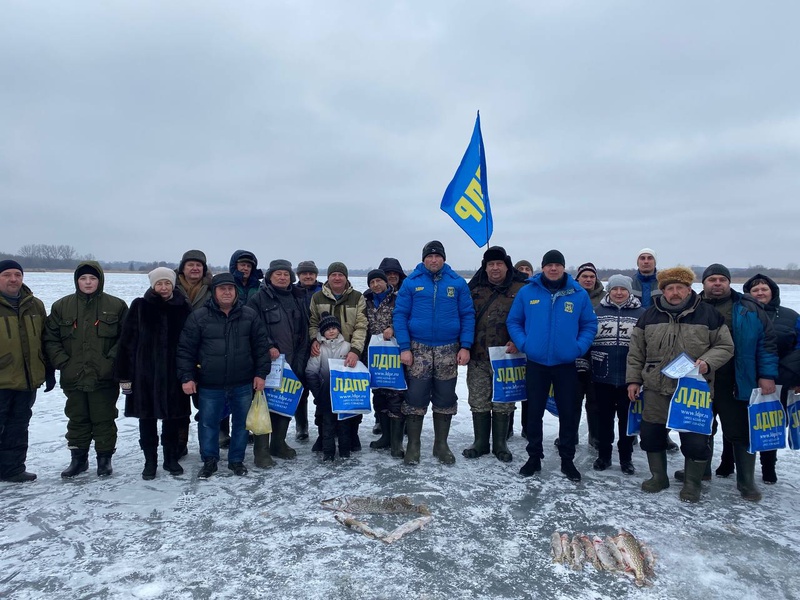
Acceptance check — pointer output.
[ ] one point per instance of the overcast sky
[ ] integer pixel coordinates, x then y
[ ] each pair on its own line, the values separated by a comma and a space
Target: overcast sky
330, 130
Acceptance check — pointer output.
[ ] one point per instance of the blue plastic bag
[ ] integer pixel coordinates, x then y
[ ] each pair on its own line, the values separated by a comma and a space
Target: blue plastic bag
551, 405
350, 389
284, 399
508, 375
635, 414
767, 421
793, 419
385, 370
690, 406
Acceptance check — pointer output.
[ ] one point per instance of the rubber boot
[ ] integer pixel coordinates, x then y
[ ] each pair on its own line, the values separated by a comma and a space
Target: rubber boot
745, 473
225, 433
344, 436
658, 467
414, 431
378, 428
171, 464
277, 442
693, 475
386, 434
768, 461
355, 441
104, 464
481, 424
78, 464
727, 463
150, 461
183, 440
328, 436
261, 456
441, 429
707, 473
397, 427
300, 422
500, 425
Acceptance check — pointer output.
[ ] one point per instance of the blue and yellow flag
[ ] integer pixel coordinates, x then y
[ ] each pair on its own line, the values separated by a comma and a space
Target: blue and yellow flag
466, 199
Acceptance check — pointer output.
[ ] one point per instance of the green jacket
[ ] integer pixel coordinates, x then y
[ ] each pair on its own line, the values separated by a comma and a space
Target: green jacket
82, 336
22, 362
350, 309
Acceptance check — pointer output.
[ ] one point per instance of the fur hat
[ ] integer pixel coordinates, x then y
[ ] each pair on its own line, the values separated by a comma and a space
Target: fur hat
619, 280
280, 264
679, 274
160, 273
586, 267
716, 269
327, 321
434, 247
495, 253
376, 274
7, 264
195, 255
337, 267
307, 266
553, 256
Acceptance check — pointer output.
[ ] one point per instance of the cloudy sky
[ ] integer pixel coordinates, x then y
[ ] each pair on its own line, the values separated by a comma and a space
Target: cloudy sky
330, 130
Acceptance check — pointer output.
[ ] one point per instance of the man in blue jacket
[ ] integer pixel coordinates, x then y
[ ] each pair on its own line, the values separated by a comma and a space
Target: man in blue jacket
553, 323
434, 323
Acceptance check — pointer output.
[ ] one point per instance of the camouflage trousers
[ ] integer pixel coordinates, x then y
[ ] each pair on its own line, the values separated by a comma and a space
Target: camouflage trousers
432, 380
480, 383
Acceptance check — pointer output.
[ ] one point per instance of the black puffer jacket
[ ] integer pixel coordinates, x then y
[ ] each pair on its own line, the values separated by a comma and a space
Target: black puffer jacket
218, 350
786, 323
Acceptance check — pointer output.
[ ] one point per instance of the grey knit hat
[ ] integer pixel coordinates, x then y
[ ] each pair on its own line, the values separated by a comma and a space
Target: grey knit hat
619, 280
307, 266
197, 255
337, 267
160, 273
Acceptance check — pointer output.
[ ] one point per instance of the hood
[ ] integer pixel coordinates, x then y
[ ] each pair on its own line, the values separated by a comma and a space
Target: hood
776, 291
100, 274
392, 264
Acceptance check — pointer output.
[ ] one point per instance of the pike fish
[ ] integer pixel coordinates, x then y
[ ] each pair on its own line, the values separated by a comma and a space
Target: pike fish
407, 527
631, 555
374, 505
352, 523
555, 547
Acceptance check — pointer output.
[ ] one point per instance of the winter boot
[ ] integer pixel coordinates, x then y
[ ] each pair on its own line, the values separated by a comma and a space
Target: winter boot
225, 433
707, 472
183, 440
277, 442
261, 455
344, 434
150, 461
386, 434
693, 475
481, 424
355, 441
727, 463
317, 445
534, 465
658, 467
672, 447
78, 464
22, 477
104, 464
500, 425
568, 469
238, 469
300, 423
328, 437
208, 469
441, 429
378, 428
768, 462
745, 473
397, 427
171, 464
414, 431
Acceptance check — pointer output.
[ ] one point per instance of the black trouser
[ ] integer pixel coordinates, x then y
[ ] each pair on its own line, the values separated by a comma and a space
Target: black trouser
148, 432
612, 401
15, 415
388, 401
694, 446
732, 413
538, 379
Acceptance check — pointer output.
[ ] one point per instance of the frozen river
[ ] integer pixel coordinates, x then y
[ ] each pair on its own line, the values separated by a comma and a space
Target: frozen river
265, 535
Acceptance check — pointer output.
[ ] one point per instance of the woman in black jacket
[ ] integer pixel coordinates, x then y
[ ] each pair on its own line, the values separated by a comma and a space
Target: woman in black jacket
147, 371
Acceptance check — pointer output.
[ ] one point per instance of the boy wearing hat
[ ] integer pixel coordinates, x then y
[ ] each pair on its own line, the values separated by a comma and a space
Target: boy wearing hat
81, 340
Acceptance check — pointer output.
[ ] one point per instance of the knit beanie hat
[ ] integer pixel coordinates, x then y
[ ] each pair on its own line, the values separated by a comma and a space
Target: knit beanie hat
434, 247
619, 280
196, 255
160, 273
337, 267
222, 279
86, 270
679, 274
280, 264
716, 269
5, 265
376, 274
587, 267
524, 263
647, 251
307, 266
327, 322
553, 257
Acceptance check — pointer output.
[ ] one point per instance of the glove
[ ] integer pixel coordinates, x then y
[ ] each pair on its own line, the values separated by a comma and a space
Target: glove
49, 380
127, 387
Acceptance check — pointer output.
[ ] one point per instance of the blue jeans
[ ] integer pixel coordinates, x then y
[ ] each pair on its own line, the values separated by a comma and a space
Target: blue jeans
212, 404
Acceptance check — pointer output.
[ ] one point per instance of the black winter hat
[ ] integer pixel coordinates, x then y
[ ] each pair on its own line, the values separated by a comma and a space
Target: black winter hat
390, 264
247, 257
307, 266
327, 322
7, 264
716, 269
280, 264
434, 247
586, 267
222, 279
197, 255
495, 253
86, 270
553, 256
376, 274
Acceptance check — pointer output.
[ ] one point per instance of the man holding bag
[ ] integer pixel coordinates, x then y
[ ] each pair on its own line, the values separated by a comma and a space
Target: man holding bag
676, 322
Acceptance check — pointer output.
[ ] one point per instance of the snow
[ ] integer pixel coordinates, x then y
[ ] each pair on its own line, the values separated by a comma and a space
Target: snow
266, 535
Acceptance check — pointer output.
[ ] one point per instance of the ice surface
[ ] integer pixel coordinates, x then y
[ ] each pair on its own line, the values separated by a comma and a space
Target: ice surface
265, 535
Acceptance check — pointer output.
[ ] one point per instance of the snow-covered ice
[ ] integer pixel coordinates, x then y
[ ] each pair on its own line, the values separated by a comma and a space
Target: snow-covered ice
265, 535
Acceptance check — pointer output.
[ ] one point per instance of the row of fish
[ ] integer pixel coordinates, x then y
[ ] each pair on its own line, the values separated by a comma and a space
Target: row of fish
621, 553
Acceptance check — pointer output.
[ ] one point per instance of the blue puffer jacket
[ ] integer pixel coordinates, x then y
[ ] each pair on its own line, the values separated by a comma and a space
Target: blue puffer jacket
434, 309
552, 328
755, 343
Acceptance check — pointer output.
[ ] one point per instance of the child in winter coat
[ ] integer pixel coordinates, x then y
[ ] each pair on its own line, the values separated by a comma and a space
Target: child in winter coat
331, 345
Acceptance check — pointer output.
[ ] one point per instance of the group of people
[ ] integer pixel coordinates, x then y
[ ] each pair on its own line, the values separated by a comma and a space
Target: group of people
211, 340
